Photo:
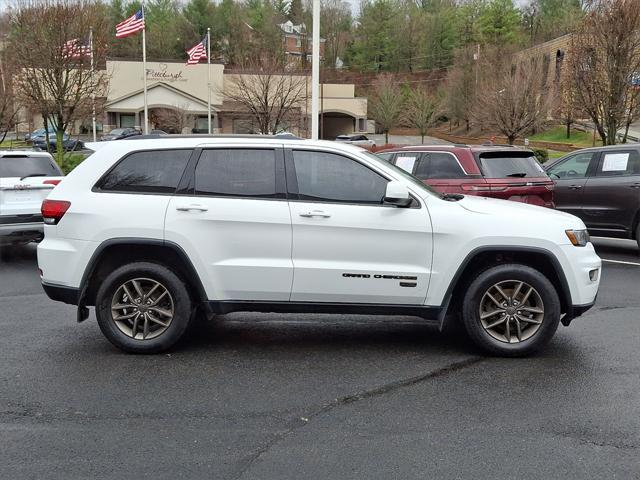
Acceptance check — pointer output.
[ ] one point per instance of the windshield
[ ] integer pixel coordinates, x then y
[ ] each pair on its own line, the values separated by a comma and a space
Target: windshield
510, 165
117, 131
415, 181
21, 165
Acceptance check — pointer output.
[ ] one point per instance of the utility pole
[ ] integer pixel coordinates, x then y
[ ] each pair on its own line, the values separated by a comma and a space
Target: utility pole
315, 70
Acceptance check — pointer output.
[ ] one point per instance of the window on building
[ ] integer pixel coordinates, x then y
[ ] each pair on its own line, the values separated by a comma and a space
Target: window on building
237, 173
362, 124
127, 120
327, 177
158, 171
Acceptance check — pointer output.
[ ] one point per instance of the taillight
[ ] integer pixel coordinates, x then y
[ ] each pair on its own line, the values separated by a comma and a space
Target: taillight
51, 182
54, 210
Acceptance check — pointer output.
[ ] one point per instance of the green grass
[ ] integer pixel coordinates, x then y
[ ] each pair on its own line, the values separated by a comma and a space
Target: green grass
13, 144
553, 154
559, 135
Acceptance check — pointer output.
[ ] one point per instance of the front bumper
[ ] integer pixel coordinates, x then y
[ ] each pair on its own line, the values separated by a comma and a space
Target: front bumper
575, 311
21, 232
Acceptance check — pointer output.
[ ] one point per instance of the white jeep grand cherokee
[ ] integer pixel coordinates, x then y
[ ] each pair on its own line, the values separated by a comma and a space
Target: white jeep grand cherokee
157, 231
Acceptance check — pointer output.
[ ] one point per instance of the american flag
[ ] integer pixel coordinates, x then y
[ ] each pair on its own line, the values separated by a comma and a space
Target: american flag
197, 52
76, 49
133, 24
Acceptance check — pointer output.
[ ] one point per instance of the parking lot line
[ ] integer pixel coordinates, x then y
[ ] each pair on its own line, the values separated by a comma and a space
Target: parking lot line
621, 262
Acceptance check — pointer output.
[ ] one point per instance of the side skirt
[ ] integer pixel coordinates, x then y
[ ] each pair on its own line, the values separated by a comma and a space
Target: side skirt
228, 306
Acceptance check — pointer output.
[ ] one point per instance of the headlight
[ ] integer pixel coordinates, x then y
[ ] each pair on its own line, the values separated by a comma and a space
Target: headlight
579, 238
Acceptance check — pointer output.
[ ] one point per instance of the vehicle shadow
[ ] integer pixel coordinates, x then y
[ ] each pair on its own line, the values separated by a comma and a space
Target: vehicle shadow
618, 249
316, 332
20, 254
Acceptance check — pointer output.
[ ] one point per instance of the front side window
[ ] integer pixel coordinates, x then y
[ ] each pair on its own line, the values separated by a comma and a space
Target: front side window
237, 173
575, 166
328, 177
619, 163
157, 171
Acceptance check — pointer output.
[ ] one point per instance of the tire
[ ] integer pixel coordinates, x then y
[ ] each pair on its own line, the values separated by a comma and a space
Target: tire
145, 335
526, 328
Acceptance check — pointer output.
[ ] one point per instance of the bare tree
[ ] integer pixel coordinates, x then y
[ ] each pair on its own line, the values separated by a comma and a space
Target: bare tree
461, 87
174, 119
54, 76
271, 96
421, 110
513, 97
386, 103
8, 102
603, 57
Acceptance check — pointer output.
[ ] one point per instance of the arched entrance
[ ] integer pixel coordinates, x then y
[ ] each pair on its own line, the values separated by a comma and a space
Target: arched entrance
333, 124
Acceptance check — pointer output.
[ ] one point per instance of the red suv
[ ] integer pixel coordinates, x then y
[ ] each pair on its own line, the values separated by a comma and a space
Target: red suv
505, 172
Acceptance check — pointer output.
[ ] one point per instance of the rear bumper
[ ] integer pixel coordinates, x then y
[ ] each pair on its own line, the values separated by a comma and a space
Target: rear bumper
60, 293
21, 232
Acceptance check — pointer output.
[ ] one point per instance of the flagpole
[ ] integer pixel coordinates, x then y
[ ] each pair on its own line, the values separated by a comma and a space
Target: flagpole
93, 93
144, 72
209, 79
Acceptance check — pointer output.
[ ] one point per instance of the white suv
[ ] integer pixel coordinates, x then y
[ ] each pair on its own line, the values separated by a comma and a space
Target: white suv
155, 232
26, 178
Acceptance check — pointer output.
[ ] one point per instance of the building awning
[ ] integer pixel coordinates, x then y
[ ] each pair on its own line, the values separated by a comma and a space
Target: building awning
159, 95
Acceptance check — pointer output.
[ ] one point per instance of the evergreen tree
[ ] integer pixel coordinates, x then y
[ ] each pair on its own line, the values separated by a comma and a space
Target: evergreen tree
499, 23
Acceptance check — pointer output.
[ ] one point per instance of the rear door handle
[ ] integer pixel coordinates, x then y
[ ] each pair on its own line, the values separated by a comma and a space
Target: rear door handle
575, 187
315, 213
187, 208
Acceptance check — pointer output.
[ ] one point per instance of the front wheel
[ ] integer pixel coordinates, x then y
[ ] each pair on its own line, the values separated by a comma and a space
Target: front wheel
143, 308
511, 310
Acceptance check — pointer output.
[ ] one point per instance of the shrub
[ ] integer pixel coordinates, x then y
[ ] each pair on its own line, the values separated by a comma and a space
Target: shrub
542, 154
71, 161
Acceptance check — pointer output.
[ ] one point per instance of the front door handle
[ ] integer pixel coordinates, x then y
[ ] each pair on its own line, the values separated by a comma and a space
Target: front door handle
315, 213
636, 185
187, 208
575, 187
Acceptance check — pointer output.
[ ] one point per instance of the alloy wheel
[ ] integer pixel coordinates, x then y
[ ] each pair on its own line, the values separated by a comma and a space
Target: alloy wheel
142, 308
511, 311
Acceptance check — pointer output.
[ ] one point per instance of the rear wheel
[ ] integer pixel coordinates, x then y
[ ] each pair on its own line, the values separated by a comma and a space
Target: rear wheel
143, 308
511, 310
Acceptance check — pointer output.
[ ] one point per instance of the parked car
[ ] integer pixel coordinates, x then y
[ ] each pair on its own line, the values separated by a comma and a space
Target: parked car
356, 139
68, 144
505, 172
216, 225
26, 178
38, 134
601, 186
120, 133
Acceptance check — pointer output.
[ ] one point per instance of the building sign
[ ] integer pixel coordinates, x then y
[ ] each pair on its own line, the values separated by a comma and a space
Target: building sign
163, 74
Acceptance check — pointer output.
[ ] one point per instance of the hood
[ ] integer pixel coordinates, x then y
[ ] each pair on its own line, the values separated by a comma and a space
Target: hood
516, 211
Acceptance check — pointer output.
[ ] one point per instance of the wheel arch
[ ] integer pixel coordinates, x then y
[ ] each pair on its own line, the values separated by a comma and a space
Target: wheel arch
483, 258
116, 252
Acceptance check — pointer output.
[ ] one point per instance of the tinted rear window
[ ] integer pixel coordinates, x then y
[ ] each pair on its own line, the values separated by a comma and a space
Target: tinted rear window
510, 164
237, 173
148, 172
21, 165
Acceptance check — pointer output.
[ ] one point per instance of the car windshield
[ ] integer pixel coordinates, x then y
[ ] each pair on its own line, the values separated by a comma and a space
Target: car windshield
22, 165
117, 131
343, 137
414, 180
510, 165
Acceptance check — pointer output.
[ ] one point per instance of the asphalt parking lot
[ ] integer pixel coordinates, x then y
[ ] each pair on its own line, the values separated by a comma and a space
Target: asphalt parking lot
262, 396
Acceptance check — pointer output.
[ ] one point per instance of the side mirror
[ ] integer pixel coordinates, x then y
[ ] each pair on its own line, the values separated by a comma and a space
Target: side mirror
397, 195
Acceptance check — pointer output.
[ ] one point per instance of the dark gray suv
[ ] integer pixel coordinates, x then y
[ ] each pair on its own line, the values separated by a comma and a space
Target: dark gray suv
601, 185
